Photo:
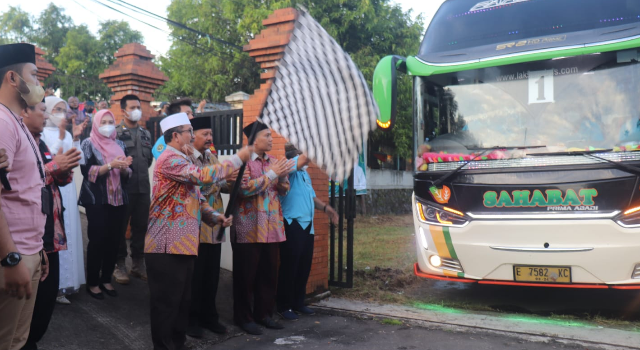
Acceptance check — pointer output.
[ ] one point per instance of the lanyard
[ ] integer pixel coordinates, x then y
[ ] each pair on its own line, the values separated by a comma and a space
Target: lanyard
33, 147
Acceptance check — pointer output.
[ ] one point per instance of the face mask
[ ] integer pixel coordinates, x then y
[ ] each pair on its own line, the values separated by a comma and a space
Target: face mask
89, 110
106, 130
57, 118
134, 115
35, 95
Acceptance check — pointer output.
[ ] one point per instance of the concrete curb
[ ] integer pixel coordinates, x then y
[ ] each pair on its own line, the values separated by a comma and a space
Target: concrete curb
582, 333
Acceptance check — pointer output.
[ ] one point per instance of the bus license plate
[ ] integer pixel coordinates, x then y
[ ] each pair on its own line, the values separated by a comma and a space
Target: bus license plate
542, 274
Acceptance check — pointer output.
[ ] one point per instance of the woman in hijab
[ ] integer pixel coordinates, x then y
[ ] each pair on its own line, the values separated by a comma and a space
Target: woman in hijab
58, 140
105, 168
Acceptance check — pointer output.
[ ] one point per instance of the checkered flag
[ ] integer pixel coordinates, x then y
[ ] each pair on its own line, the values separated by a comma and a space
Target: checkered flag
319, 100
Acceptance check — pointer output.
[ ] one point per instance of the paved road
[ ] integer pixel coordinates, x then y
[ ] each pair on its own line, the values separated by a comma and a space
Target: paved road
122, 323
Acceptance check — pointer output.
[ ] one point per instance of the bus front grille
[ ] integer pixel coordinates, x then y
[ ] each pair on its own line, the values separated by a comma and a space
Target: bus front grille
636, 272
454, 265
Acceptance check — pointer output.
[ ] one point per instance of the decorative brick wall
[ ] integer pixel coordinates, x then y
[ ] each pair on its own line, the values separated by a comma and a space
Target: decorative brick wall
133, 72
267, 48
45, 68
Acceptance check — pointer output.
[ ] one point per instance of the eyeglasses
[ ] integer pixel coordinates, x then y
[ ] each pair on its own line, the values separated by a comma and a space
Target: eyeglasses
187, 130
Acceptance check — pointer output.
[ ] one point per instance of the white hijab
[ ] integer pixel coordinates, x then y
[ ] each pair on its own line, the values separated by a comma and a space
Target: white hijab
50, 102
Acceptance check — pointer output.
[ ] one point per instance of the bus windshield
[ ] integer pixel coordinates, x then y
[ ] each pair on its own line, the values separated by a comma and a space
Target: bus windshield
570, 104
462, 24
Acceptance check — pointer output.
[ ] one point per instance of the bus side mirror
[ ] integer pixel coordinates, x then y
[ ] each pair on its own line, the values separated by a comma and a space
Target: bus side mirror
385, 89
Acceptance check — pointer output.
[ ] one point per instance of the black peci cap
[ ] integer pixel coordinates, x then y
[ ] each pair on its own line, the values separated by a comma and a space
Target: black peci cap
17, 53
200, 123
259, 127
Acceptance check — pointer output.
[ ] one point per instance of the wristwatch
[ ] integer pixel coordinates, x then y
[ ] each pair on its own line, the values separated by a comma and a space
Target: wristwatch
12, 259
109, 166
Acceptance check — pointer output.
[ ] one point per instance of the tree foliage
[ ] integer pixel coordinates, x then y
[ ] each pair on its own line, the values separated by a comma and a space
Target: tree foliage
78, 55
15, 26
367, 29
52, 27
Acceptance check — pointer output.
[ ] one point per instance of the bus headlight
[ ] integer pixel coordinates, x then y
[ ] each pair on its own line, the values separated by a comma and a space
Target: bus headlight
441, 216
629, 218
435, 261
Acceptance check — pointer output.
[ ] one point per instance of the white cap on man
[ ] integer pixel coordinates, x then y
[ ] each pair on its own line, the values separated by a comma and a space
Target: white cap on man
174, 120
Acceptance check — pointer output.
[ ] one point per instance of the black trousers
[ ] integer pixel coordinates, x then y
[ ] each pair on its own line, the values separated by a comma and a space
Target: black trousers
255, 279
169, 280
45, 303
204, 285
138, 213
104, 223
296, 255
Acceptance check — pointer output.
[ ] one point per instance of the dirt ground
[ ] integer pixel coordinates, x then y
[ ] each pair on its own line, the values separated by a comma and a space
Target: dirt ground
384, 254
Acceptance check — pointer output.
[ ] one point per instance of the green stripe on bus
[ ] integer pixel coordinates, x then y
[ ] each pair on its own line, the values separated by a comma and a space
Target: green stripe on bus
447, 238
461, 274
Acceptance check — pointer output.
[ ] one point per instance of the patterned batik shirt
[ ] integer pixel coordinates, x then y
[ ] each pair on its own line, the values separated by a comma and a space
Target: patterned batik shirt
259, 215
177, 206
211, 192
54, 177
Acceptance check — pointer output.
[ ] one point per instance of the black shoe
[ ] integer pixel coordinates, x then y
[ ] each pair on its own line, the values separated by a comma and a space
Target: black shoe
109, 292
270, 323
98, 296
215, 327
251, 328
305, 311
195, 331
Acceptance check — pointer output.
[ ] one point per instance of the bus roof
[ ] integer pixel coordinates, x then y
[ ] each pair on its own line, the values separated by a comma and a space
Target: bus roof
467, 30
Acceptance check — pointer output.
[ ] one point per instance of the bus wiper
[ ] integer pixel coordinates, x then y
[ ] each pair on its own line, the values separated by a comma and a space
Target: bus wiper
570, 153
631, 169
503, 147
591, 154
434, 185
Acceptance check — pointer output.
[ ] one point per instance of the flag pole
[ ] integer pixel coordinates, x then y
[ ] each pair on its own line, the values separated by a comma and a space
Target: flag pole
236, 185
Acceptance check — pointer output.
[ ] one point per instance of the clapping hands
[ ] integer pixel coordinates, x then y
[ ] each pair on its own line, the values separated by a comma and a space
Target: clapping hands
282, 166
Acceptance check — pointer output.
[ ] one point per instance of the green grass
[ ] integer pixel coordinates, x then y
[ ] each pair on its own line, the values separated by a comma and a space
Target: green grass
391, 322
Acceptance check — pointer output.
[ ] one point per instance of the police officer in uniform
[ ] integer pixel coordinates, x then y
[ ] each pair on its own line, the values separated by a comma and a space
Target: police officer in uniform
138, 143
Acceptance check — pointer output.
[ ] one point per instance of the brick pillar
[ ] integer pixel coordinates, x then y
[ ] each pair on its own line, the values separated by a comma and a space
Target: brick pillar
45, 68
133, 72
267, 48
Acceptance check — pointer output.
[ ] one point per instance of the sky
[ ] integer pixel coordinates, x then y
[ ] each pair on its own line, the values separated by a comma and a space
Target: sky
158, 42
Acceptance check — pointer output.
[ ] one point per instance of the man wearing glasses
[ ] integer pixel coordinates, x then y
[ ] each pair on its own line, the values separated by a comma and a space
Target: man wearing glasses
173, 234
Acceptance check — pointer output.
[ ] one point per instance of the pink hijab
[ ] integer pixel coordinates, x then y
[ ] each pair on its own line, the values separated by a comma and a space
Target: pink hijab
107, 146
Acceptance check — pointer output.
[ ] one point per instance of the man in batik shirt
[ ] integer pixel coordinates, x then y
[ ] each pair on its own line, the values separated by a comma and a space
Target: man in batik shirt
206, 272
173, 235
58, 172
257, 231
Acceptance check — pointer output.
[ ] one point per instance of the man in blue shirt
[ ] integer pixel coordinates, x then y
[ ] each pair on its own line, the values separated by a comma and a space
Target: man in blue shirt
296, 253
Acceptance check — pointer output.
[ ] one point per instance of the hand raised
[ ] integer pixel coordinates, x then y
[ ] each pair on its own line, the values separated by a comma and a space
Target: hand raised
78, 129
63, 129
67, 160
282, 166
245, 153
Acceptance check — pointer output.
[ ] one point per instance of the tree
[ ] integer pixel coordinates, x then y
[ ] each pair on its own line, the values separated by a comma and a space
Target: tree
112, 36
79, 56
15, 26
51, 34
366, 29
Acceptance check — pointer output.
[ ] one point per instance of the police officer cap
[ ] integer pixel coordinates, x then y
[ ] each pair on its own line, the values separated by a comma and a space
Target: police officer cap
17, 53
